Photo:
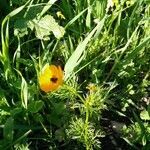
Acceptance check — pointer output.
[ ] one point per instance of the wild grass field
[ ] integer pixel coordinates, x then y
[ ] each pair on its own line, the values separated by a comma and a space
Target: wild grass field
75, 75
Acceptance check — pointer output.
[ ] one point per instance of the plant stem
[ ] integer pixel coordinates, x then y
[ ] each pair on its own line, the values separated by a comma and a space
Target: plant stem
86, 125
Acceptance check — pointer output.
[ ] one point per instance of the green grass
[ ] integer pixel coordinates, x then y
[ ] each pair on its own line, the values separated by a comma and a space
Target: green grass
103, 48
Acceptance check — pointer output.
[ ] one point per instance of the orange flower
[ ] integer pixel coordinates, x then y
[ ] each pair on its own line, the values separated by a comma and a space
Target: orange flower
51, 78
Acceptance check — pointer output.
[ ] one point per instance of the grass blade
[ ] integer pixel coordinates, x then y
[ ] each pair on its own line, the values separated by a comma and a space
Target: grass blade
76, 57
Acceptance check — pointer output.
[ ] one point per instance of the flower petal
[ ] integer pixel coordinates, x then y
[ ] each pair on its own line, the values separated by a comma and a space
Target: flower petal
51, 78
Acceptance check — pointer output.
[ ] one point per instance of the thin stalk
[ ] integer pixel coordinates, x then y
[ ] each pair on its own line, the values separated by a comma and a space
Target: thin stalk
86, 128
122, 50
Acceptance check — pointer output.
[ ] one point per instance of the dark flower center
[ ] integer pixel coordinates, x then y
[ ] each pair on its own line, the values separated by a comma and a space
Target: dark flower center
54, 79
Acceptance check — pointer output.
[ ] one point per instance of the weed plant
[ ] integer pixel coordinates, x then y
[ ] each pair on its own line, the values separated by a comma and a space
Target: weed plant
102, 47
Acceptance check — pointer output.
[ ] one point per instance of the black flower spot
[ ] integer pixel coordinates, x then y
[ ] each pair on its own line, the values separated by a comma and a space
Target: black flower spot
54, 79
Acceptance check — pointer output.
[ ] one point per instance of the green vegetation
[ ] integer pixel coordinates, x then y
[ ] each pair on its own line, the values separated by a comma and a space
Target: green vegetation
103, 48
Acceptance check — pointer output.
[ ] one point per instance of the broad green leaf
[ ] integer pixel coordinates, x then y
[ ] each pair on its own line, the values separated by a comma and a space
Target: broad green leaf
23, 23
8, 129
20, 28
144, 115
41, 33
46, 25
35, 106
31, 18
16, 111
59, 108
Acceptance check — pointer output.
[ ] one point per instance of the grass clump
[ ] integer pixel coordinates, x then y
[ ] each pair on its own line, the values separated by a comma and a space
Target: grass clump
103, 49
